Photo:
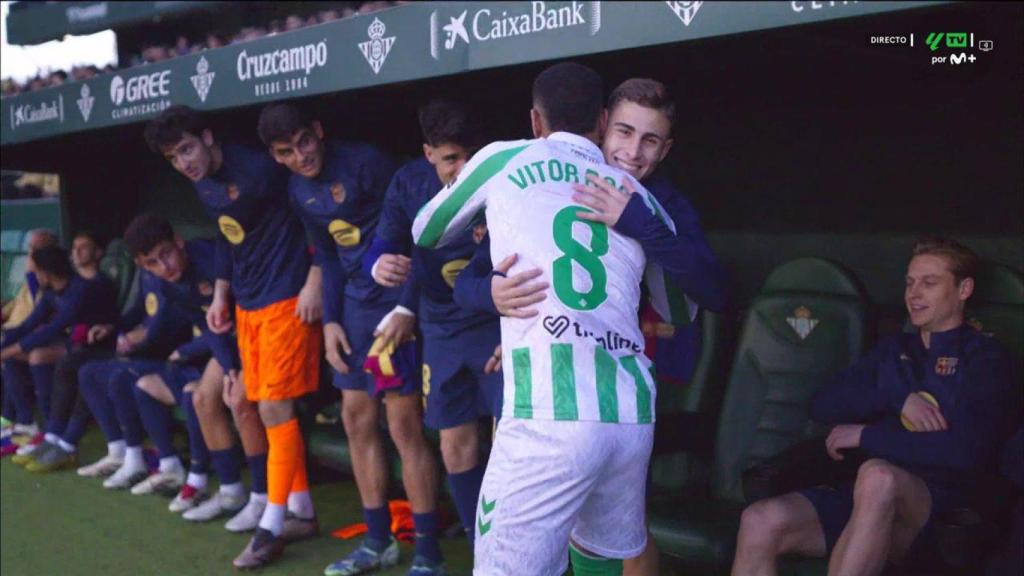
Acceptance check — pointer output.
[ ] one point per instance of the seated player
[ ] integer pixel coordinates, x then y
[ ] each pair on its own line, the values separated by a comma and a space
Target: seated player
928, 407
20, 427
70, 301
263, 259
338, 189
187, 271
146, 334
457, 343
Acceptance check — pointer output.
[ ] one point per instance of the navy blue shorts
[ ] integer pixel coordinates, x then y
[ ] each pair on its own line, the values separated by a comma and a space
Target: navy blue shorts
107, 370
360, 319
177, 376
835, 505
455, 388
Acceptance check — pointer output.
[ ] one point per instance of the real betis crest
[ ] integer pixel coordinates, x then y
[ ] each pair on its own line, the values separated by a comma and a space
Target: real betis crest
376, 49
802, 323
203, 78
85, 102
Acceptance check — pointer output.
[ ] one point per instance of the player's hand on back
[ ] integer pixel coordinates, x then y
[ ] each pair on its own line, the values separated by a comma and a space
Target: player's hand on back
392, 270
514, 294
335, 339
606, 202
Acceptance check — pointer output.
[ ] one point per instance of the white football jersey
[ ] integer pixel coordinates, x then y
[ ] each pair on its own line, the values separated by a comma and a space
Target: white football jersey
581, 357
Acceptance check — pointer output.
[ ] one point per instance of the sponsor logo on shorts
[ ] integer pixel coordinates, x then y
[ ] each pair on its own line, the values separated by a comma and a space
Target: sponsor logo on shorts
486, 508
376, 49
231, 229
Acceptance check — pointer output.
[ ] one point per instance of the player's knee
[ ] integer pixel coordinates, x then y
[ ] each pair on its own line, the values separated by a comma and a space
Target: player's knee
359, 424
764, 521
148, 384
205, 402
459, 449
406, 430
587, 564
876, 483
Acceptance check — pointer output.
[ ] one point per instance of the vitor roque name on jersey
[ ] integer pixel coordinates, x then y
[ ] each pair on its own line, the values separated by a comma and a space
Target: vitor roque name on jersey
611, 341
297, 59
553, 170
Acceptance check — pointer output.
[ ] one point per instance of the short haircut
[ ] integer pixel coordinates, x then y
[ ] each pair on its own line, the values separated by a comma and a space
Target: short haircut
963, 262
91, 235
647, 93
145, 232
171, 125
570, 97
447, 121
53, 260
279, 122
49, 237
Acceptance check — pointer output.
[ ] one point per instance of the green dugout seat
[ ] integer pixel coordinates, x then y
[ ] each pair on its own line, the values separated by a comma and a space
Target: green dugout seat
10, 240
118, 264
808, 321
13, 274
997, 306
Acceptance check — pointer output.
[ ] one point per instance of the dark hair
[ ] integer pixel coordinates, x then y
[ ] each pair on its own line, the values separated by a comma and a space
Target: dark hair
647, 93
570, 97
171, 125
145, 232
53, 260
447, 121
91, 235
279, 122
963, 262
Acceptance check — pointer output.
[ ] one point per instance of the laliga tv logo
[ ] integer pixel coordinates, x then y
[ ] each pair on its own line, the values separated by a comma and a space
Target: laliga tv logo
376, 49
203, 79
85, 102
685, 11
486, 25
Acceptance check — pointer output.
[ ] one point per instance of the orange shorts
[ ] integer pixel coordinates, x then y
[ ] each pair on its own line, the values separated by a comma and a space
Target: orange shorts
280, 355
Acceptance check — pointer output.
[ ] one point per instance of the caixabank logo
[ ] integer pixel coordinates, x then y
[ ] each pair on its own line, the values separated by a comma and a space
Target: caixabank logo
140, 95
449, 30
50, 110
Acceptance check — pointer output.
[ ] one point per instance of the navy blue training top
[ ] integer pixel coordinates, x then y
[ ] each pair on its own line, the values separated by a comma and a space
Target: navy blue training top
83, 301
340, 208
262, 249
966, 371
166, 324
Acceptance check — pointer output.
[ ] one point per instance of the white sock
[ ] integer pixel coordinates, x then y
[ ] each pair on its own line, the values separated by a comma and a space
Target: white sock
301, 504
26, 429
235, 490
52, 438
66, 446
197, 481
273, 518
262, 497
170, 463
133, 457
116, 449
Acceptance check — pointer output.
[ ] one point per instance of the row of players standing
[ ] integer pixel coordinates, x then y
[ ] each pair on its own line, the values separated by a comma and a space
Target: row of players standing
358, 211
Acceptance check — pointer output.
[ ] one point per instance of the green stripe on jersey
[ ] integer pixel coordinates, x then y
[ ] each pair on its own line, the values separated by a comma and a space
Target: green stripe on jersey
523, 403
643, 393
444, 214
607, 395
563, 378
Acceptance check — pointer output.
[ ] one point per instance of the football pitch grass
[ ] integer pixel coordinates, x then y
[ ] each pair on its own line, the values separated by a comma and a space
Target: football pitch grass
61, 524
